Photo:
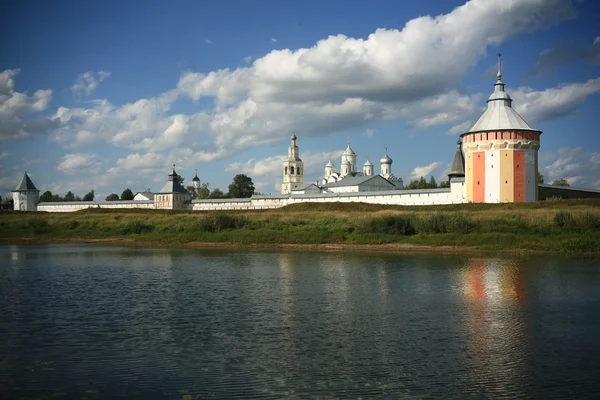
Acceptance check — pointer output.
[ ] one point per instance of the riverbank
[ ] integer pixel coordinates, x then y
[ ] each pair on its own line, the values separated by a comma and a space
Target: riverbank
571, 226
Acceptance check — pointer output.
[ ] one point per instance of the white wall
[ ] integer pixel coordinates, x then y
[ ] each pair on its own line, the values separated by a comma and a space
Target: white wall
26, 200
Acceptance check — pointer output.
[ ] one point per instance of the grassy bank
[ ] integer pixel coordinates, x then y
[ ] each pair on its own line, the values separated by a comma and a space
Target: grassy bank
571, 226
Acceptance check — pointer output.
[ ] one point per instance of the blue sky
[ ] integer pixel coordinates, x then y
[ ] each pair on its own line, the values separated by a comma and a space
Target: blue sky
107, 95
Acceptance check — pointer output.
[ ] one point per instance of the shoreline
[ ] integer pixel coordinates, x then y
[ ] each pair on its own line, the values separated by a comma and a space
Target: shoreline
388, 248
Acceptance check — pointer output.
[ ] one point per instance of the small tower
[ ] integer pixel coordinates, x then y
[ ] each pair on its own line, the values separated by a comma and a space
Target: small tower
386, 165
25, 195
293, 169
172, 196
196, 181
350, 156
368, 168
329, 169
458, 165
501, 152
346, 167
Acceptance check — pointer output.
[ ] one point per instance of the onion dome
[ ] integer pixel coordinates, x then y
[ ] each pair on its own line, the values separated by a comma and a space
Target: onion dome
385, 159
368, 163
294, 137
329, 164
349, 151
196, 179
500, 115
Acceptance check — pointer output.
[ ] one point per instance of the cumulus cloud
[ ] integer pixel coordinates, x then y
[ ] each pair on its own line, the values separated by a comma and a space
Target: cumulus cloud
461, 128
16, 106
425, 170
87, 82
552, 59
248, 59
369, 132
78, 163
139, 163
208, 41
273, 40
553, 103
579, 167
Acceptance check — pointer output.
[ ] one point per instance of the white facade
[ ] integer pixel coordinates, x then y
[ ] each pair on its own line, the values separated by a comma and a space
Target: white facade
293, 169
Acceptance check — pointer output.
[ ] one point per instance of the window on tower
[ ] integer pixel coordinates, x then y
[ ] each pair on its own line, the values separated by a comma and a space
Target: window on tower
291, 170
285, 170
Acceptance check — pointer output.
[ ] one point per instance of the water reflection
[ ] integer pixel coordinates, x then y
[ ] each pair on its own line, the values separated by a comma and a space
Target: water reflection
495, 294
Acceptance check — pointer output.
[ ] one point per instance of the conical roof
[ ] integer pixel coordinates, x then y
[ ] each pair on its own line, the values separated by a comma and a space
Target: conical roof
458, 165
25, 184
500, 115
368, 163
196, 179
330, 164
349, 151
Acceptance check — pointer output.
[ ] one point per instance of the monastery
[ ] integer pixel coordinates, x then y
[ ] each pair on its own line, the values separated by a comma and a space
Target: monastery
496, 161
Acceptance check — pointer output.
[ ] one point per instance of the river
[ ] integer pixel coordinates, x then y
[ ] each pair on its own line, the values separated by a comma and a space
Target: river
81, 321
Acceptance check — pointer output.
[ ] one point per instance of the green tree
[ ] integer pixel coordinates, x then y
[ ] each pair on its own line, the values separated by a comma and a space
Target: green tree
69, 196
46, 196
444, 184
127, 194
89, 196
414, 184
432, 183
112, 197
241, 187
540, 177
422, 183
216, 194
561, 182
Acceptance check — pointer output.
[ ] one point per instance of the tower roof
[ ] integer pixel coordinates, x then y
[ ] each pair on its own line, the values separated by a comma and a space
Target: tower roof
196, 179
500, 115
368, 163
25, 184
349, 151
458, 165
330, 164
385, 159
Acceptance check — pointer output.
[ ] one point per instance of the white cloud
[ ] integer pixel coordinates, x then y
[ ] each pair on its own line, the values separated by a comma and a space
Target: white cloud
78, 163
208, 41
425, 170
139, 163
460, 128
579, 167
248, 59
273, 40
15, 106
549, 104
369, 132
87, 82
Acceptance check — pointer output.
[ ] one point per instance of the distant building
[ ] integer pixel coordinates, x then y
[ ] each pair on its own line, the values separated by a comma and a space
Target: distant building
25, 195
293, 169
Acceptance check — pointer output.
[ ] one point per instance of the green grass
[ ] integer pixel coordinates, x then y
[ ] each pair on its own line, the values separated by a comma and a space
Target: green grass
571, 226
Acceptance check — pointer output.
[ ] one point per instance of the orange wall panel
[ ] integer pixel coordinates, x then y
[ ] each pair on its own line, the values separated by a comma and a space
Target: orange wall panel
519, 176
479, 177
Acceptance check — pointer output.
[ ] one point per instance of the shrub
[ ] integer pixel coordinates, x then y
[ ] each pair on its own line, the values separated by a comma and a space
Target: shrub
136, 226
564, 219
402, 224
39, 225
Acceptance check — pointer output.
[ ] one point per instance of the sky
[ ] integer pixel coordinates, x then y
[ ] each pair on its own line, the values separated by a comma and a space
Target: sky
109, 94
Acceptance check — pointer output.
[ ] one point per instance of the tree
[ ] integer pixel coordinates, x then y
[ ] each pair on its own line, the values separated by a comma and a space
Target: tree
414, 184
241, 187
69, 196
432, 183
46, 196
422, 183
180, 179
561, 182
540, 177
203, 192
216, 194
444, 184
127, 194
112, 197
89, 196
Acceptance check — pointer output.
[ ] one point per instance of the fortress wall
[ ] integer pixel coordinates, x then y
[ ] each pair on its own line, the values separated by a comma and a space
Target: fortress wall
82, 205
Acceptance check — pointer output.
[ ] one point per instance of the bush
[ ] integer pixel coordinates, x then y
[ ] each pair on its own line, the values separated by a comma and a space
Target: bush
402, 224
39, 225
564, 219
444, 223
136, 226
215, 222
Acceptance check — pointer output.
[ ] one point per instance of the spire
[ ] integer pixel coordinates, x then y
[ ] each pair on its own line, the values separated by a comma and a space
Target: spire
458, 165
196, 177
173, 174
499, 74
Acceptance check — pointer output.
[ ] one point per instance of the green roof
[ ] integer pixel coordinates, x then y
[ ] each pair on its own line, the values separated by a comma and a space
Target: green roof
25, 184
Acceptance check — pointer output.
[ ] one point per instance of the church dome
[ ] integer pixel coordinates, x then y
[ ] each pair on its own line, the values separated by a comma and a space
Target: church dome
385, 159
349, 151
329, 164
368, 163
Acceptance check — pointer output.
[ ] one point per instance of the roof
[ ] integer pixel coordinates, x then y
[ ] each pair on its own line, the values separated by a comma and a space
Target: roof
368, 162
500, 115
458, 166
330, 164
385, 159
25, 184
147, 194
354, 181
173, 187
349, 151
306, 187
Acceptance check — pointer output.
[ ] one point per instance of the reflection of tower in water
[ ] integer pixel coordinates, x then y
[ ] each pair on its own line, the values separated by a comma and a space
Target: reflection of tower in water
494, 292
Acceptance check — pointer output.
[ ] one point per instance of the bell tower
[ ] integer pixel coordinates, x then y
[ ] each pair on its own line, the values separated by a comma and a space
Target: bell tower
293, 169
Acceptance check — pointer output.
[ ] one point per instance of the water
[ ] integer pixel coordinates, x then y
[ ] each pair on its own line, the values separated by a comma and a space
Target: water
99, 322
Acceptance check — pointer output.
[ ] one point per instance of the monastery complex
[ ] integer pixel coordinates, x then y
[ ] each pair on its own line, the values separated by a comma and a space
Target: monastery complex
496, 161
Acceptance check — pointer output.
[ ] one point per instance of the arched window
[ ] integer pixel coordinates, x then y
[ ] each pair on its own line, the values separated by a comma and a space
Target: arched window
285, 170
299, 171
291, 170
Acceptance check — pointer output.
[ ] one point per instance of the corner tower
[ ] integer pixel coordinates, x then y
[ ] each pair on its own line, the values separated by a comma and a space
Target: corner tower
293, 169
25, 195
501, 152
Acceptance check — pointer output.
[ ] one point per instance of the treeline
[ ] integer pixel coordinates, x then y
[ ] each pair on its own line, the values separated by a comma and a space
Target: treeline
421, 183
47, 196
241, 187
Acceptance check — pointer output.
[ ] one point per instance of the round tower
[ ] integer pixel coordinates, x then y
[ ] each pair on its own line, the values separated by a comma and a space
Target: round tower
346, 167
293, 169
501, 152
368, 168
386, 164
